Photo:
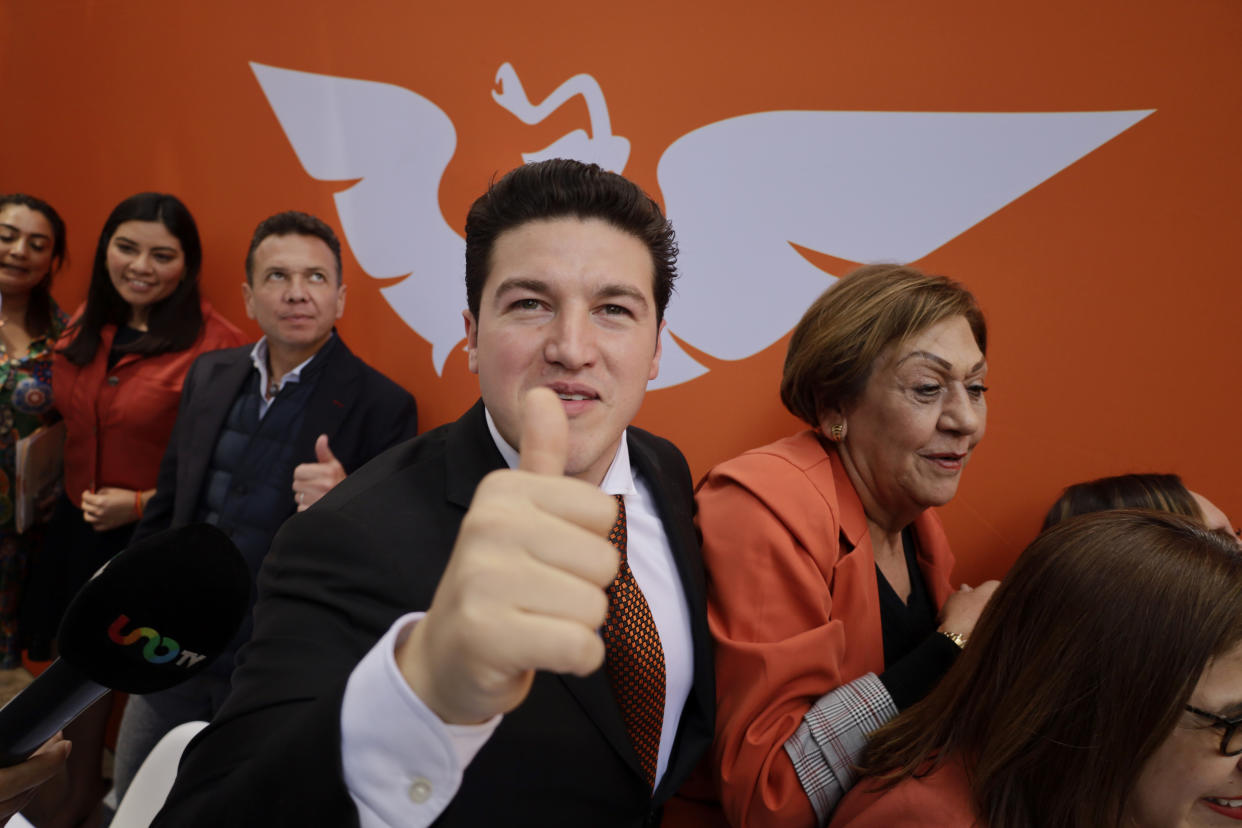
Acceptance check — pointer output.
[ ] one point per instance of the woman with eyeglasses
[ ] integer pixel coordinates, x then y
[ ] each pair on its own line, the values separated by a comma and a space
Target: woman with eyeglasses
829, 594
1102, 688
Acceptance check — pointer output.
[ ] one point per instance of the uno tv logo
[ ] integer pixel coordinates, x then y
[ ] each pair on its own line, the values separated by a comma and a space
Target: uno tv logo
151, 650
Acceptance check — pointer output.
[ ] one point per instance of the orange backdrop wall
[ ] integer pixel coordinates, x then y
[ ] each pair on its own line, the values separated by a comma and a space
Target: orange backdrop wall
1109, 280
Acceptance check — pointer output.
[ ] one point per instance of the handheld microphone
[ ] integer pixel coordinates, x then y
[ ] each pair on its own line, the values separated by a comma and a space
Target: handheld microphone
153, 616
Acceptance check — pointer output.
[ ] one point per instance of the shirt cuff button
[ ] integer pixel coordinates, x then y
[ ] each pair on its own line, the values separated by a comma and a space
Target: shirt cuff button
420, 791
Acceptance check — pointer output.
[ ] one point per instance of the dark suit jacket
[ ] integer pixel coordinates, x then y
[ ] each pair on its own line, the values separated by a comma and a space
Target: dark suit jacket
362, 411
336, 579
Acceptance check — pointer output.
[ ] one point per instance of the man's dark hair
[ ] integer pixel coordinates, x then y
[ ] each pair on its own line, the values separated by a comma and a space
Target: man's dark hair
561, 188
293, 223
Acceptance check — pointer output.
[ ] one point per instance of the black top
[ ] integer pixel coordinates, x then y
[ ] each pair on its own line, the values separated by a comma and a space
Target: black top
125, 335
915, 655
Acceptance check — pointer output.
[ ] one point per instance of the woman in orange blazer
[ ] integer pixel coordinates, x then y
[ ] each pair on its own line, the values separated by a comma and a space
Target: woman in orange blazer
829, 593
116, 379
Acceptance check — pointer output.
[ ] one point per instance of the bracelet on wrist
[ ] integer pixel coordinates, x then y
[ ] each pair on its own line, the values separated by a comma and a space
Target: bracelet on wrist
956, 638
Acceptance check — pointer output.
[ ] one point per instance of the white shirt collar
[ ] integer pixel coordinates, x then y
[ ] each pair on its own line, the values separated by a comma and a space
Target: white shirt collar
619, 479
258, 356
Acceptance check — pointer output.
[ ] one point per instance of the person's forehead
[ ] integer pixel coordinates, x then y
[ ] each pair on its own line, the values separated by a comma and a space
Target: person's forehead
293, 249
25, 219
564, 240
142, 231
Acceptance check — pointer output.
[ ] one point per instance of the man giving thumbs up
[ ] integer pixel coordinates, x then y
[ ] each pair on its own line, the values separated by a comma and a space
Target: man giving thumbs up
501, 622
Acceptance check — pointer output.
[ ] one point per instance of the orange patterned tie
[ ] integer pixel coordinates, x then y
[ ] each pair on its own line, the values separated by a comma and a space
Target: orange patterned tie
634, 658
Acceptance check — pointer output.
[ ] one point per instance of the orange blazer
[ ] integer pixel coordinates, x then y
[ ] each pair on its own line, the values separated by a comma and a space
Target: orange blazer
117, 422
942, 798
794, 607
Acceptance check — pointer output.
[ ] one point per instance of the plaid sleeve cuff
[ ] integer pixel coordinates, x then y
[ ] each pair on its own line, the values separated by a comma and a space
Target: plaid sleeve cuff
831, 737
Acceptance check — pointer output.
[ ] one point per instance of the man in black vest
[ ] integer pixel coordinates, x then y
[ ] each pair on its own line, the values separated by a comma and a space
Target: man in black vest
264, 431
353, 706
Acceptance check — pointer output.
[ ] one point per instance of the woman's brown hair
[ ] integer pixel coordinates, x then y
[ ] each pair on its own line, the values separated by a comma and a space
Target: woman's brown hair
1077, 671
844, 331
1159, 492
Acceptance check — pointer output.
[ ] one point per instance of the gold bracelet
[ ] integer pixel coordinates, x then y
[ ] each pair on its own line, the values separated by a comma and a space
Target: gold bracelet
956, 638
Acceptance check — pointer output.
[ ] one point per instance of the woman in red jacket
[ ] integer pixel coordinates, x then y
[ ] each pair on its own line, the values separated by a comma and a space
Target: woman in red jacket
829, 595
116, 380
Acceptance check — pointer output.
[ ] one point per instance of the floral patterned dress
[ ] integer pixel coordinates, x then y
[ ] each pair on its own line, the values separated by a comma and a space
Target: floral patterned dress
25, 405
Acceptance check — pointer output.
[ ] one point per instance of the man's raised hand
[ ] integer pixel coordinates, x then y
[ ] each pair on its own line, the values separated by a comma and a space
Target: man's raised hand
524, 588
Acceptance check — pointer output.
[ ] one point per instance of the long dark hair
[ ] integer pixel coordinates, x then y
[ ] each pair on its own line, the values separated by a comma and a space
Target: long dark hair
174, 322
1078, 670
40, 316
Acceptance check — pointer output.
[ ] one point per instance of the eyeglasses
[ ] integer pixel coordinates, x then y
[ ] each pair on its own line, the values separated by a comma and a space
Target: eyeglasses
1231, 738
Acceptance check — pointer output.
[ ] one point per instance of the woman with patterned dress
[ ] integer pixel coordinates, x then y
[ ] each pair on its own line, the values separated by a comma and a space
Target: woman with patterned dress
32, 249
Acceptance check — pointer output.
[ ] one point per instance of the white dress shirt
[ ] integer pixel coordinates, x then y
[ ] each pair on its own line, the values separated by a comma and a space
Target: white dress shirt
258, 356
394, 783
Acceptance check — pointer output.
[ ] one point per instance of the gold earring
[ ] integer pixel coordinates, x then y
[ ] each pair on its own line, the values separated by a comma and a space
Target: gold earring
836, 433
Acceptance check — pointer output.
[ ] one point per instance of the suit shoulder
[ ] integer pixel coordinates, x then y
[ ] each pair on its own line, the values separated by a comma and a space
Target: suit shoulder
379, 383
670, 463
383, 384
655, 442
224, 356
210, 360
416, 459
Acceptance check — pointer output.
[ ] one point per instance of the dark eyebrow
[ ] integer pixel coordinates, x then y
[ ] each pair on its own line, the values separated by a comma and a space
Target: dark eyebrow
622, 291
941, 361
32, 235
163, 248
533, 285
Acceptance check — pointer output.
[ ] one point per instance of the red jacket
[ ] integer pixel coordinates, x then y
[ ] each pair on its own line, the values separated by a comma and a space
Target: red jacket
794, 607
118, 422
942, 798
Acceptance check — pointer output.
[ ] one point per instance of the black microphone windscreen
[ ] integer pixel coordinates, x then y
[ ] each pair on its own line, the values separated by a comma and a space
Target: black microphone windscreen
158, 612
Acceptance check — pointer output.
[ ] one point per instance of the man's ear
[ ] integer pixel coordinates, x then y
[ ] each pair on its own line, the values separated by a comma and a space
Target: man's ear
248, 297
659, 349
472, 341
340, 301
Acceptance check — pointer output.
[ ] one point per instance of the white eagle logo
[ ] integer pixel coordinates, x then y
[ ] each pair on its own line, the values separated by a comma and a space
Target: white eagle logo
859, 186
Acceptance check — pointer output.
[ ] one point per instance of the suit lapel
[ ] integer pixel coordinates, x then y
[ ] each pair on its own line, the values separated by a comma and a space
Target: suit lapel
593, 692
335, 394
214, 396
470, 454
473, 454
676, 513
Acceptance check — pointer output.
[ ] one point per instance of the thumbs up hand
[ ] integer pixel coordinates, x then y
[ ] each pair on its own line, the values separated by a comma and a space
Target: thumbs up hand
524, 588
312, 481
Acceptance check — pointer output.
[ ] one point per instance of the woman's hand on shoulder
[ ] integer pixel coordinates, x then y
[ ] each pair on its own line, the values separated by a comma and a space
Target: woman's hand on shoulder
962, 609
